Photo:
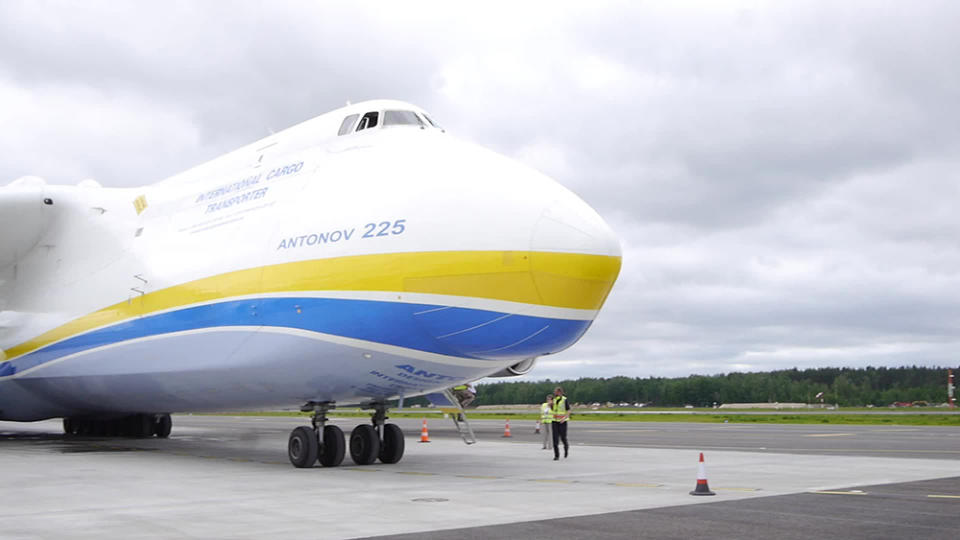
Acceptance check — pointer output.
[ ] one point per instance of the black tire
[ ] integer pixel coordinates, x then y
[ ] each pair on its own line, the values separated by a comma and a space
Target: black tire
163, 426
391, 448
69, 426
112, 427
334, 447
131, 426
364, 444
144, 426
302, 447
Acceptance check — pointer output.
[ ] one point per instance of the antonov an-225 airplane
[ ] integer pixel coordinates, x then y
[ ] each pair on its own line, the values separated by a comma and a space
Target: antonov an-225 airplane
362, 256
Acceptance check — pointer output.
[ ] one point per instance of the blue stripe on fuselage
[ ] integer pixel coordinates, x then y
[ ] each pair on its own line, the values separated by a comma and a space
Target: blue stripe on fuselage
451, 331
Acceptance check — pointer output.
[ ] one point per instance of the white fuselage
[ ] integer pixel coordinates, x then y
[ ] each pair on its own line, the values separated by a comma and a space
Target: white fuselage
393, 261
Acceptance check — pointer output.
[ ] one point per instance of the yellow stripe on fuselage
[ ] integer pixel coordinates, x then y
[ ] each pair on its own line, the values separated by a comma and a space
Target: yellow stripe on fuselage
568, 280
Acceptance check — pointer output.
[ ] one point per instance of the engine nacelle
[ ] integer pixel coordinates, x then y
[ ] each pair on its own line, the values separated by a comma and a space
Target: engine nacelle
520, 368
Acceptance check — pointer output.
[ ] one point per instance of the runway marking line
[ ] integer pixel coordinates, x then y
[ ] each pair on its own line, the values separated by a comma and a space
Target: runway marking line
357, 469
829, 435
944, 496
617, 430
416, 473
479, 477
823, 492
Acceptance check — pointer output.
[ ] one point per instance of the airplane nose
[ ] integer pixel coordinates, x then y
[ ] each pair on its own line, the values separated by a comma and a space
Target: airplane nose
575, 256
561, 282
547, 264
570, 225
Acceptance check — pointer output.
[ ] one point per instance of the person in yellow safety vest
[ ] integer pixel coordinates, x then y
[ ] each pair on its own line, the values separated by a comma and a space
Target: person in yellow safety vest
561, 413
546, 419
465, 393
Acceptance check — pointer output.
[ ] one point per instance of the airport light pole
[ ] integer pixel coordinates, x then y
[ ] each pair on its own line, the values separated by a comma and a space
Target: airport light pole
950, 388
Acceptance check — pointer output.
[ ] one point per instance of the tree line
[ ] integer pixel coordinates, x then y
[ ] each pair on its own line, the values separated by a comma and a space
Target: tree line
878, 386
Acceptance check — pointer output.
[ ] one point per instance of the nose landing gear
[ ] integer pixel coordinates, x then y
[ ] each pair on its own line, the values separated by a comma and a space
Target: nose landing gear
325, 443
380, 440
364, 444
321, 442
391, 447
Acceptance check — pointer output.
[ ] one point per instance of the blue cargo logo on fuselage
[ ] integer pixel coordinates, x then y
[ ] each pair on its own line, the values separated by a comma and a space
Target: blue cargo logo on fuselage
426, 374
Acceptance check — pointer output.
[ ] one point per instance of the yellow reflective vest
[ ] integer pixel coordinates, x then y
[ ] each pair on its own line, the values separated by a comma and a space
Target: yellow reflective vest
561, 412
546, 413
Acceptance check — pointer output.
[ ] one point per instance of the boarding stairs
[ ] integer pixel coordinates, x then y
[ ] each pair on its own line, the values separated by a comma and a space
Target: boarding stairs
448, 403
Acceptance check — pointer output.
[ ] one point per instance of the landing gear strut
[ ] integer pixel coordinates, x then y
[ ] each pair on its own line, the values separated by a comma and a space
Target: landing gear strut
379, 440
321, 442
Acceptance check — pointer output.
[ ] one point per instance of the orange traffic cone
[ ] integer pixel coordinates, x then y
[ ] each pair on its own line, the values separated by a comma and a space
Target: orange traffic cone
537, 430
702, 487
424, 435
506, 429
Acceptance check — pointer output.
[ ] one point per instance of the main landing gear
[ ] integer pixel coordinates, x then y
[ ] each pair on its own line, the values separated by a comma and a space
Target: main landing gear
379, 440
135, 425
325, 443
321, 442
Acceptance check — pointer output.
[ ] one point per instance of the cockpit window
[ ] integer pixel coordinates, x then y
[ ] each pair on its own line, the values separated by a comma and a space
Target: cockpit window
347, 125
430, 120
401, 118
369, 120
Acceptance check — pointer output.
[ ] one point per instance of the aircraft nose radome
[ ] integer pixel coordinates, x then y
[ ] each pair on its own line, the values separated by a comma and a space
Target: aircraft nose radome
575, 255
544, 250
570, 225
574, 273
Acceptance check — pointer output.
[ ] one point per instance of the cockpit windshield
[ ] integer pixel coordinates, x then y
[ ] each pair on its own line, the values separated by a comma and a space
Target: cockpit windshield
374, 119
401, 118
430, 121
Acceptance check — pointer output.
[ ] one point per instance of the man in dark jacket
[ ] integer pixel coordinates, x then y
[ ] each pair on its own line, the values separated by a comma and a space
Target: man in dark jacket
561, 413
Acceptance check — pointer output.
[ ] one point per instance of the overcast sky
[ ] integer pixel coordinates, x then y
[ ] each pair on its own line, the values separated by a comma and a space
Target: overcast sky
783, 176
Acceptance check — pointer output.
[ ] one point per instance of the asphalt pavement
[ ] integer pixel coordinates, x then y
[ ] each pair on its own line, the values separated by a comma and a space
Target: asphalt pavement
229, 477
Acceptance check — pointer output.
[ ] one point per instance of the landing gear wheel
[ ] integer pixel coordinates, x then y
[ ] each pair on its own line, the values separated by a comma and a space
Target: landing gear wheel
111, 427
302, 447
391, 448
334, 447
364, 444
162, 426
126, 427
143, 426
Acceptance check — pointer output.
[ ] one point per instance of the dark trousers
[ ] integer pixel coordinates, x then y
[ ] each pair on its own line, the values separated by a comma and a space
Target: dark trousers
559, 434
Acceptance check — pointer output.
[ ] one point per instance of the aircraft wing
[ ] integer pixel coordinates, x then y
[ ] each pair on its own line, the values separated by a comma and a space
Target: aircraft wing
22, 221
